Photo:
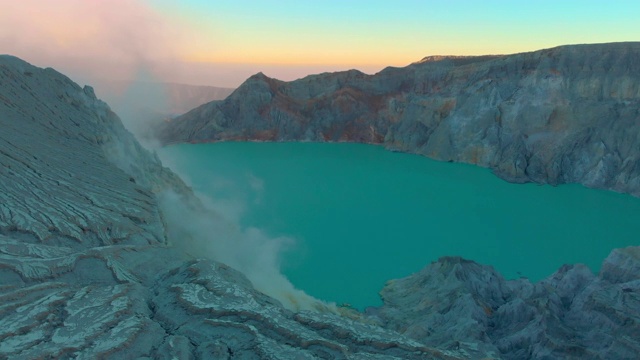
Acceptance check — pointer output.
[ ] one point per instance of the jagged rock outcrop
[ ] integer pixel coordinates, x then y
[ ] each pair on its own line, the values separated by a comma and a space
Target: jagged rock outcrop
71, 174
87, 269
561, 115
573, 314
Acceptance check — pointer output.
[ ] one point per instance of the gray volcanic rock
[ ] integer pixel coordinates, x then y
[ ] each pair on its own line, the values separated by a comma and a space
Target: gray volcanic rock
87, 269
561, 115
143, 96
216, 308
90, 266
71, 174
572, 314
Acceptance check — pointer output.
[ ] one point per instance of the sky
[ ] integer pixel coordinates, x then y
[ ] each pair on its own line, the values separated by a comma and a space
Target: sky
221, 43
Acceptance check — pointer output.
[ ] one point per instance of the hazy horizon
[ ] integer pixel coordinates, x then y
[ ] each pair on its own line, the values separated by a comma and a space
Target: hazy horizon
223, 43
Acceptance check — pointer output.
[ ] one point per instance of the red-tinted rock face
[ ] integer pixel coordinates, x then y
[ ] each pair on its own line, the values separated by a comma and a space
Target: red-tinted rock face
568, 114
86, 271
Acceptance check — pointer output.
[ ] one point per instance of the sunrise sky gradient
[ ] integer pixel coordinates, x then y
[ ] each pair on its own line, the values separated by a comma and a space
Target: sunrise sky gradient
223, 42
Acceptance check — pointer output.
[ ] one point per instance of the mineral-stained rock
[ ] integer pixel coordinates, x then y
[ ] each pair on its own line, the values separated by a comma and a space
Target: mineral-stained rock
205, 301
71, 173
89, 267
561, 115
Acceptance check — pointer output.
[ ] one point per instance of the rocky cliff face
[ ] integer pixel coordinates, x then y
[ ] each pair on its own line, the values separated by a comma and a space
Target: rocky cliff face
89, 267
143, 105
561, 115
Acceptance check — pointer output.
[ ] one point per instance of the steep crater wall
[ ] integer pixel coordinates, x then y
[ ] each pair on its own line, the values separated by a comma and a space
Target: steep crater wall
562, 115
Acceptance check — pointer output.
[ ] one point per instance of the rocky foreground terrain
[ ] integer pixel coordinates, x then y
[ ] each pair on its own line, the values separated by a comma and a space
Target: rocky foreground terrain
91, 266
562, 115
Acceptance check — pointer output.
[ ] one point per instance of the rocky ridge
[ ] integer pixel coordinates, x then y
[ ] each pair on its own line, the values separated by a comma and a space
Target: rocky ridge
562, 115
89, 267
87, 263
572, 314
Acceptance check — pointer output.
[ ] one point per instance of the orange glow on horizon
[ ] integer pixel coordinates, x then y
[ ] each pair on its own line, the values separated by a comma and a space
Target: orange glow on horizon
184, 41
295, 61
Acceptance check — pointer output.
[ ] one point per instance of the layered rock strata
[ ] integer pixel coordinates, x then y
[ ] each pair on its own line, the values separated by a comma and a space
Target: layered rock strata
562, 115
89, 267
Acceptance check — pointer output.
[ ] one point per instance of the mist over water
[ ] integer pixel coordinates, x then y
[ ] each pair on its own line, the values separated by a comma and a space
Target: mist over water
360, 215
208, 233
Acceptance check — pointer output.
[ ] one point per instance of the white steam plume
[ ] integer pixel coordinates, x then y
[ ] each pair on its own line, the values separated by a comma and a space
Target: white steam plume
205, 233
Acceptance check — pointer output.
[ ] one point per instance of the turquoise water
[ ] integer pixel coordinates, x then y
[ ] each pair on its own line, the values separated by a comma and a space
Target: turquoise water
362, 215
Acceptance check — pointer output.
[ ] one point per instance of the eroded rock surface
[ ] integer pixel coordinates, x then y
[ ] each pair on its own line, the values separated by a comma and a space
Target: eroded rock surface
87, 266
561, 115
459, 304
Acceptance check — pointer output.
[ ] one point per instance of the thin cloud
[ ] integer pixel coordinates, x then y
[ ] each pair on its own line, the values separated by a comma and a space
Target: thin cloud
98, 38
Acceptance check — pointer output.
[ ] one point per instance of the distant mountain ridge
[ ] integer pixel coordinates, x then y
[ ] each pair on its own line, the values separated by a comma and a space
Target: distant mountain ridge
560, 115
456, 58
177, 98
143, 104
